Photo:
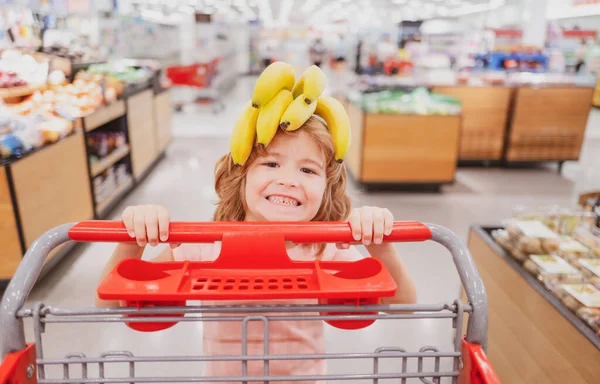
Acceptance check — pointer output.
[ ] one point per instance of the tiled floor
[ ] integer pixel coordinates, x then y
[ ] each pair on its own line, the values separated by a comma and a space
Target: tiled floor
183, 183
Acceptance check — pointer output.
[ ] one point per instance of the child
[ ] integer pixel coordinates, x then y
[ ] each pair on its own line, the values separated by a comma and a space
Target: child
295, 178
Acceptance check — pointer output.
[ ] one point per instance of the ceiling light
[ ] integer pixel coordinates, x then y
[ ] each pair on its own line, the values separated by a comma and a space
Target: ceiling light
284, 12
309, 5
264, 10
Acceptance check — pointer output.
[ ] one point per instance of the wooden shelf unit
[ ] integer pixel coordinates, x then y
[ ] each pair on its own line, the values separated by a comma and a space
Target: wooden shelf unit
402, 149
104, 115
485, 111
142, 133
529, 339
112, 158
548, 124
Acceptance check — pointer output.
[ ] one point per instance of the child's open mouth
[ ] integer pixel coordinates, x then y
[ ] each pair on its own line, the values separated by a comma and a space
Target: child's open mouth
283, 200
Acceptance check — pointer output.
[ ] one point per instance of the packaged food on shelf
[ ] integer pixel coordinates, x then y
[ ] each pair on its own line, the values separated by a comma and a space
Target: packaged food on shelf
578, 296
503, 238
559, 219
107, 184
552, 270
591, 316
571, 250
533, 237
591, 270
586, 237
101, 144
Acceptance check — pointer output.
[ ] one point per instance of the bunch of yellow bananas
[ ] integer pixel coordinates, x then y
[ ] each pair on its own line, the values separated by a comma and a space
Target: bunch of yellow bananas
279, 102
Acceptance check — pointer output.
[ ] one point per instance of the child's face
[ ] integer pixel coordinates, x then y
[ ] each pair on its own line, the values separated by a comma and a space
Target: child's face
288, 183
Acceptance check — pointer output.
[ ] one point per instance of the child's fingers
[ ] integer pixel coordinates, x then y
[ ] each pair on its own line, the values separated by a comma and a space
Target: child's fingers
164, 220
378, 226
139, 226
389, 221
127, 218
342, 245
366, 222
174, 245
151, 220
355, 225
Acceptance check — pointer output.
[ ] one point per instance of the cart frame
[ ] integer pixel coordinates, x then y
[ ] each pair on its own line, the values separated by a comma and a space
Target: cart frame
25, 363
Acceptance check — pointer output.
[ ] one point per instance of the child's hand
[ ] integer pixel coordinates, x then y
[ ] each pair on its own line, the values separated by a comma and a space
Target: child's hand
146, 223
369, 225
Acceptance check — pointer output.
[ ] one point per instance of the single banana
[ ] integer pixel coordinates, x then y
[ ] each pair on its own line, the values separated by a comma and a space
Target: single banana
312, 83
269, 115
298, 87
296, 114
338, 123
274, 78
244, 133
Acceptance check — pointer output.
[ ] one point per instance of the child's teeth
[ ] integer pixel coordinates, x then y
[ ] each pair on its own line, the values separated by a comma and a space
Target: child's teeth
282, 200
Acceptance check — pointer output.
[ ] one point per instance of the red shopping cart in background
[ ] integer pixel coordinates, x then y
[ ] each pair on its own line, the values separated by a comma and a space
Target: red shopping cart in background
253, 265
202, 78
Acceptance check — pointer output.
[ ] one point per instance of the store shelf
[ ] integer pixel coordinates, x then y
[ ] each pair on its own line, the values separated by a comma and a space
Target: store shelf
484, 232
389, 142
104, 115
116, 155
103, 207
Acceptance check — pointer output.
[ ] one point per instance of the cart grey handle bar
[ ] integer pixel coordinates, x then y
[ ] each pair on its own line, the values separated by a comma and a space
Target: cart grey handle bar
194, 232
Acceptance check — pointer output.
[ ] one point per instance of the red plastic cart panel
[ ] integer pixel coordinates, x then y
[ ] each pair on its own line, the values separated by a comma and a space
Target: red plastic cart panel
253, 265
19, 367
137, 280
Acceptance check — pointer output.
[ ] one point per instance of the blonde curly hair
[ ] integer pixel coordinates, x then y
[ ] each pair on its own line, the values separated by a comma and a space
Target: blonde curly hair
230, 179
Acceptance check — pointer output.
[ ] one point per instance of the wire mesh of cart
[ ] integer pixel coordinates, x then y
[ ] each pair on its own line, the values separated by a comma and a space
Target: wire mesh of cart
253, 264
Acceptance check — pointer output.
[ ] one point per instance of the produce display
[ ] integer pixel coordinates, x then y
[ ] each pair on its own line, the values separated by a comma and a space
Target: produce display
10, 80
562, 251
420, 102
69, 100
122, 72
20, 69
48, 115
278, 102
77, 55
22, 134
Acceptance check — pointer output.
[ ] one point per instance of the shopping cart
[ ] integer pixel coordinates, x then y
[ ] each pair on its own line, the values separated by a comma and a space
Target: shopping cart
203, 78
26, 363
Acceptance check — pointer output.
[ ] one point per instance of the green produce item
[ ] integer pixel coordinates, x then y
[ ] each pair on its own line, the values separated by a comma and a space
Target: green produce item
420, 102
123, 73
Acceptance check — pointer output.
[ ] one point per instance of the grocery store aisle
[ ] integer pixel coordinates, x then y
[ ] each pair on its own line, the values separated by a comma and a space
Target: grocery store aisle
183, 183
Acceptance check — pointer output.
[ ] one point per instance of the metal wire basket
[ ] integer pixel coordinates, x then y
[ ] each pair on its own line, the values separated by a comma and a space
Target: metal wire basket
24, 362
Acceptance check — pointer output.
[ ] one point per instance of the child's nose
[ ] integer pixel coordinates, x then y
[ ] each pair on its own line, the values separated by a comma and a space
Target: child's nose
287, 182
287, 178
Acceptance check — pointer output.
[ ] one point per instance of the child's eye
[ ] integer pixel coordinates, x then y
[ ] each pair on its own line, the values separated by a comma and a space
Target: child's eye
271, 164
308, 170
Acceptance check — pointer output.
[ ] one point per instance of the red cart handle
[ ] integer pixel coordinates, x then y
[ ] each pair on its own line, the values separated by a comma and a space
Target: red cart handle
207, 232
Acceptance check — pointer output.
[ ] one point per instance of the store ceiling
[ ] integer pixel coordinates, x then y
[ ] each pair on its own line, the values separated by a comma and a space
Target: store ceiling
314, 12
